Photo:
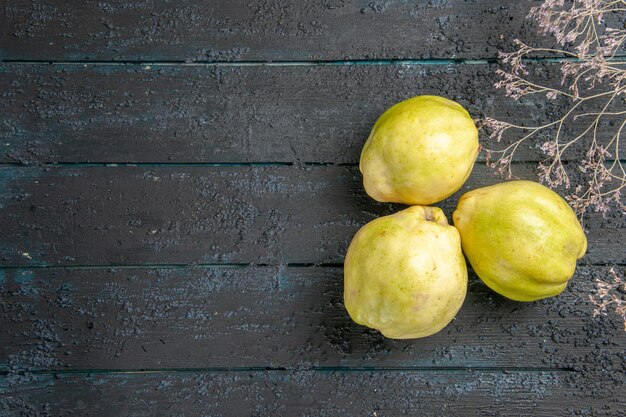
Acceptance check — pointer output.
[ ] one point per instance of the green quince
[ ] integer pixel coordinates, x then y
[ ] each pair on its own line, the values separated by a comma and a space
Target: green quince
419, 151
405, 274
521, 238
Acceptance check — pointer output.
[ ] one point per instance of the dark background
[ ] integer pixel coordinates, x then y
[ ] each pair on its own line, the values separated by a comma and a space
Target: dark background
179, 184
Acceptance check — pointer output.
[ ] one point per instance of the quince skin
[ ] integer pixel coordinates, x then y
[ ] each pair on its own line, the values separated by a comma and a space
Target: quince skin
405, 274
521, 238
420, 151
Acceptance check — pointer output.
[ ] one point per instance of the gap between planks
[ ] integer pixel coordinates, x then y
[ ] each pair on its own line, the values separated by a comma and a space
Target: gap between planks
219, 164
210, 266
296, 63
176, 164
487, 369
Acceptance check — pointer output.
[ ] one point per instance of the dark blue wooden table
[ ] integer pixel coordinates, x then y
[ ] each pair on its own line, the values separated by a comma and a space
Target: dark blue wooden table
178, 186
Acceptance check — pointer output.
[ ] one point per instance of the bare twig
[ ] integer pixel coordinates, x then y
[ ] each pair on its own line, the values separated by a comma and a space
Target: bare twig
610, 295
593, 76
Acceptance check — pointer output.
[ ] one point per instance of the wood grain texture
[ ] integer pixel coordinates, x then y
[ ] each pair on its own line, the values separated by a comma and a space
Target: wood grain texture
224, 281
227, 214
191, 30
311, 113
279, 317
320, 394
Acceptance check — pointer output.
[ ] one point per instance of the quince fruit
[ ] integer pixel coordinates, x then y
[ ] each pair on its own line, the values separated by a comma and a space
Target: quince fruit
405, 274
521, 238
420, 151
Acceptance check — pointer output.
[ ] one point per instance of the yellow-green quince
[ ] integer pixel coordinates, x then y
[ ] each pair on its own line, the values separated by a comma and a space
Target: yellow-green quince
419, 151
405, 274
521, 238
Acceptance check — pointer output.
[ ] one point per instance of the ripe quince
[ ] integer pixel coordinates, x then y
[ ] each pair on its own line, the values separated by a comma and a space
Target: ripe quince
405, 274
521, 238
419, 151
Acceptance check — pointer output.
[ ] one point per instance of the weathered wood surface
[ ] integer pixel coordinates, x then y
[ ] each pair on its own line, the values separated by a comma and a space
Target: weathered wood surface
192, 30
225, 281
205, 214
280, 317
138, 113
319, 394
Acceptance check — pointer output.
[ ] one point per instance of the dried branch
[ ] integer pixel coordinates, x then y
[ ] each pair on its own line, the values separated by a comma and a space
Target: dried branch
589, 76
610, 295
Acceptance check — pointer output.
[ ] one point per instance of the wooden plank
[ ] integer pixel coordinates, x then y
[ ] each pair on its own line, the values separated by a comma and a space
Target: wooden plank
204, 214
291, 317
311, 113
324, 394
191, 30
